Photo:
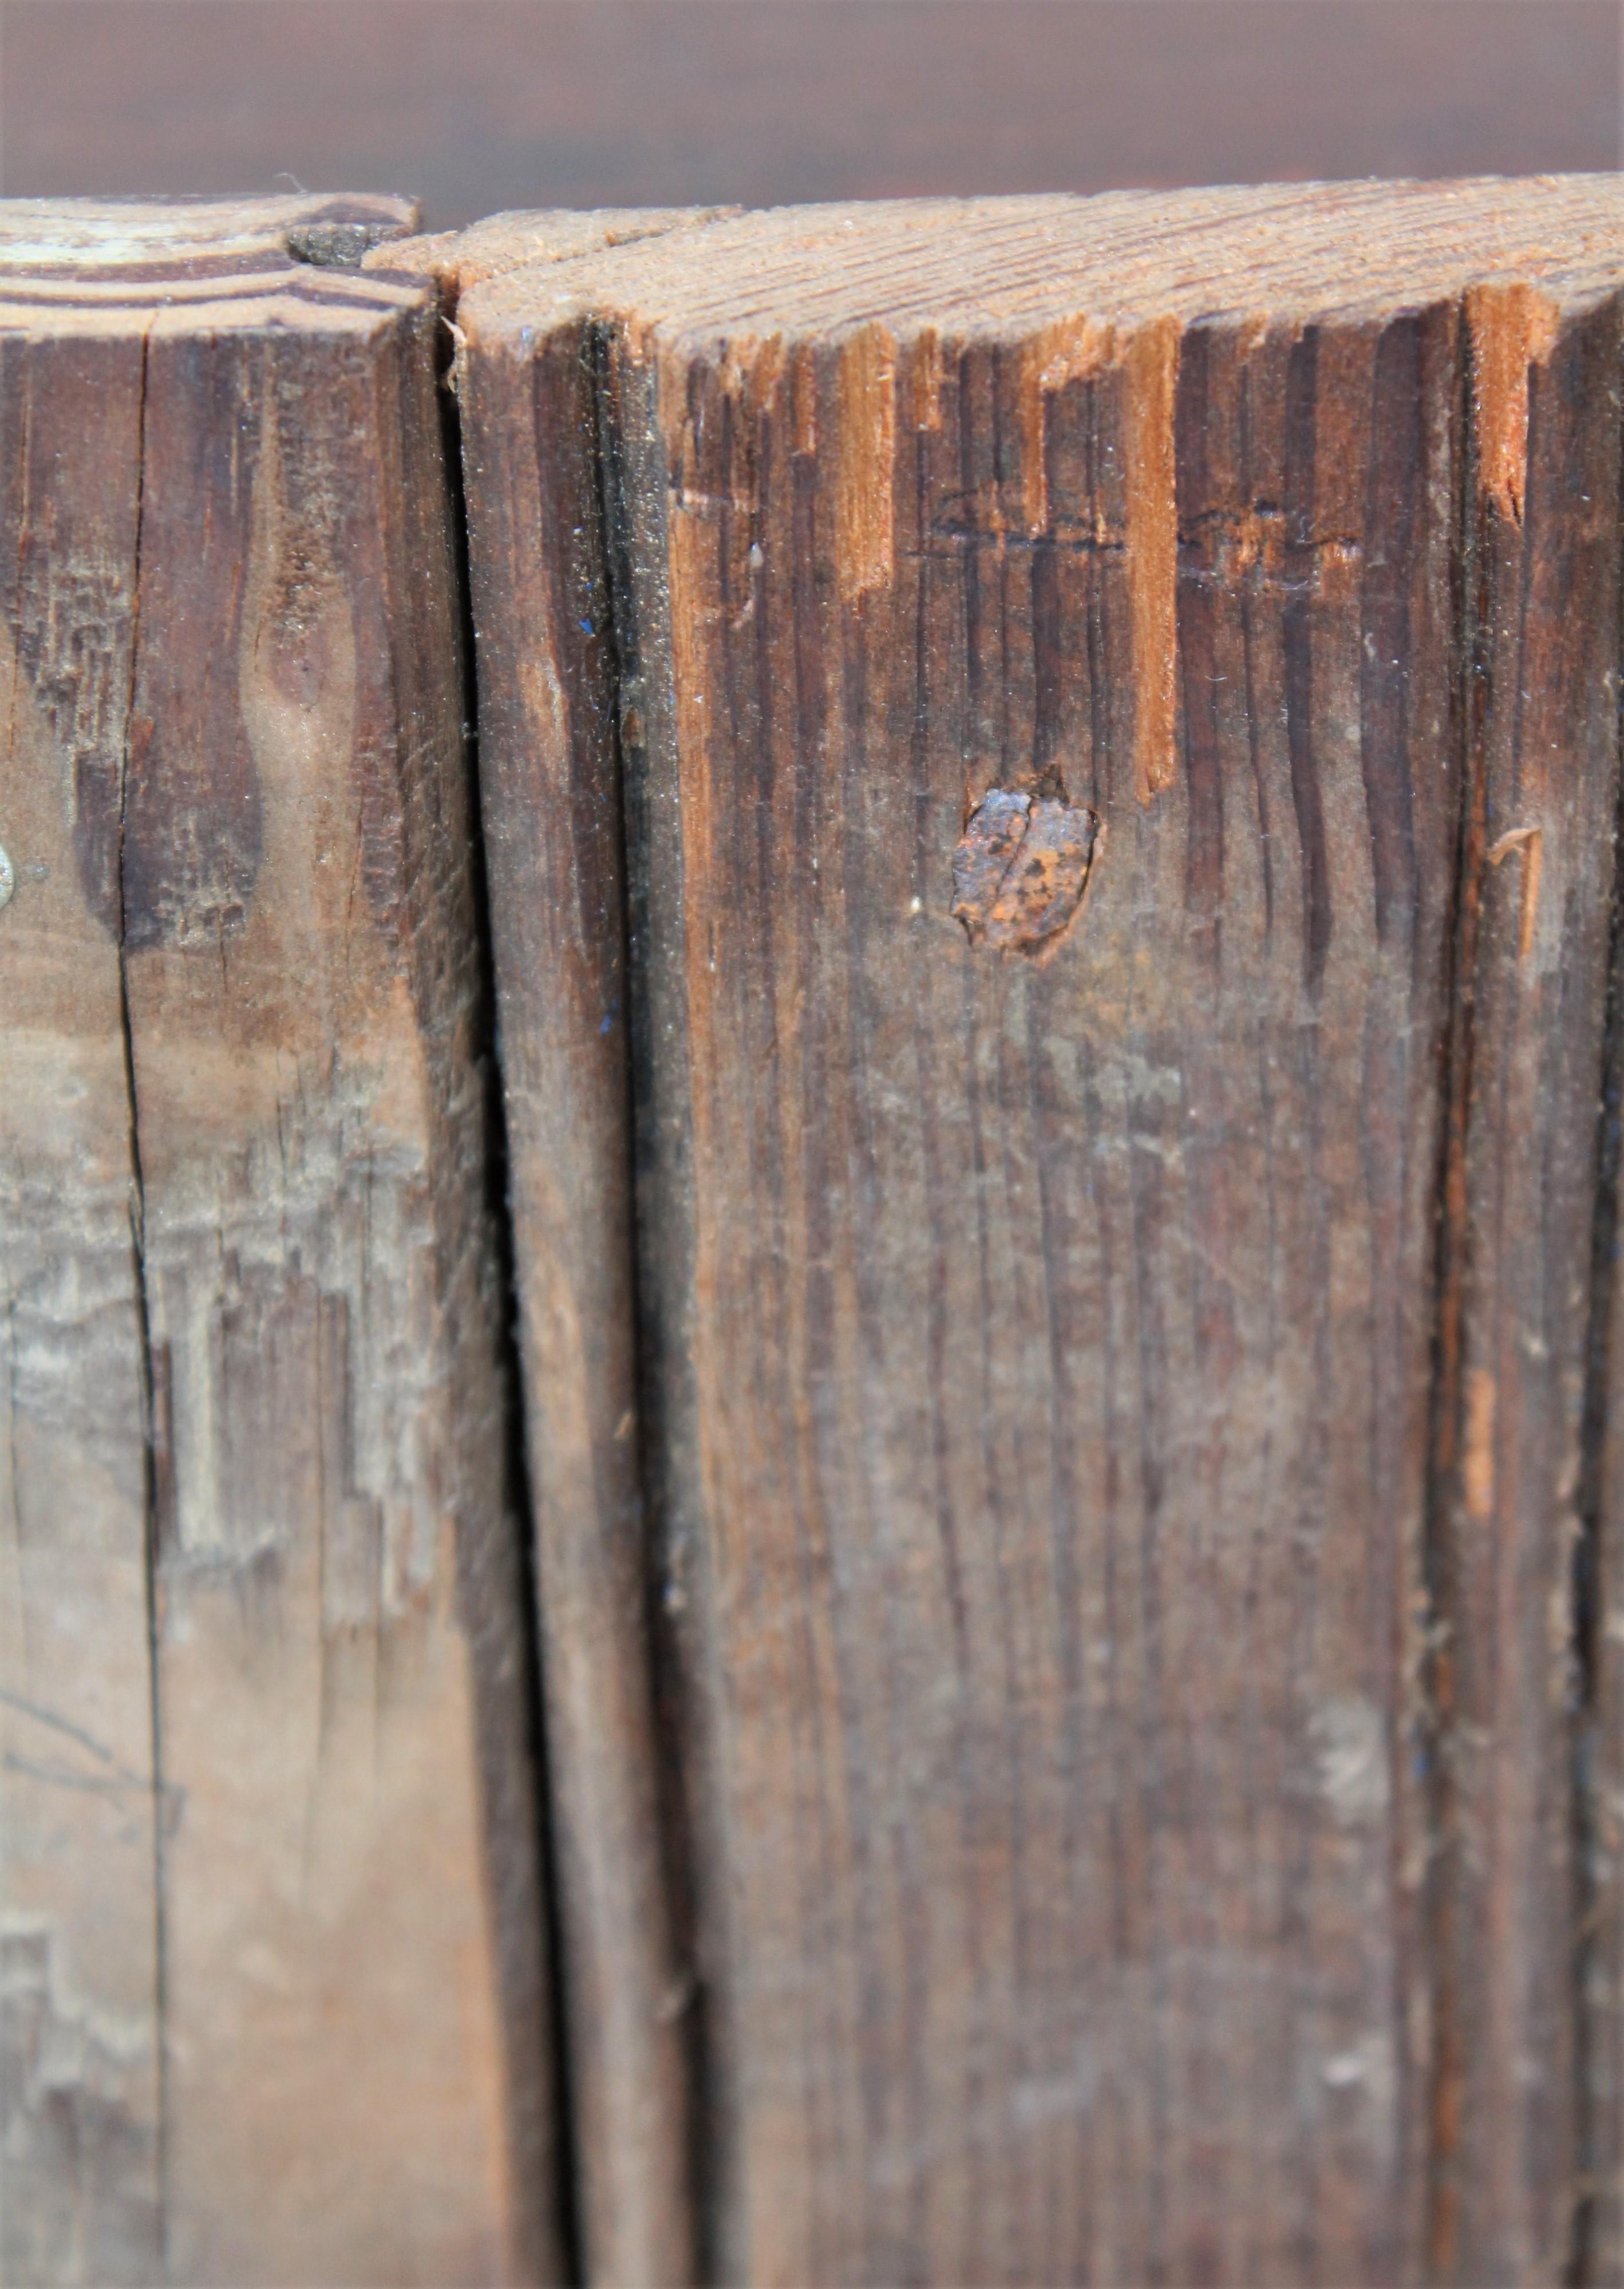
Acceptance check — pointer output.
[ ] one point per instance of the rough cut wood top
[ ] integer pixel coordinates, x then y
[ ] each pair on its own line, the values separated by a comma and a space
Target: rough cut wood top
93, 266
1071, 287
459, 260
986, 266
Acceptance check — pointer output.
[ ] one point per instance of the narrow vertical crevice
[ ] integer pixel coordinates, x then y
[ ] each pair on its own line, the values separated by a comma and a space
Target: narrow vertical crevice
499, 1206
670, 1687
1589, 1555
1452, 1265
148, 1381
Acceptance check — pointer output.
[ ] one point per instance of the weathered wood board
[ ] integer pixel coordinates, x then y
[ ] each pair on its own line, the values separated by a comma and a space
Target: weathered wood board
1050, 780
274, 2007
79, 2069
547, 746
1128, 1670
1521, 1212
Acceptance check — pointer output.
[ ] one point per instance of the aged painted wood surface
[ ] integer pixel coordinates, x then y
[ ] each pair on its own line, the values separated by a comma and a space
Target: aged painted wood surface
1117, 714
273, 2004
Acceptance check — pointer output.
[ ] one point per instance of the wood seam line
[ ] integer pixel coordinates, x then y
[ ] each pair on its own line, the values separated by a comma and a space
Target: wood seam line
1455, 1062
1587, 1584
680, 1865
692, 1800
149, 1462
456, 263
565, 2190
441, 260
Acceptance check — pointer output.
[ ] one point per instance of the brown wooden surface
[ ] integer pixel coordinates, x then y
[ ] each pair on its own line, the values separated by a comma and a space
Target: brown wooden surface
1537, 891
476, 104
547, 698
1114, 1422
274, 2009
1050, 777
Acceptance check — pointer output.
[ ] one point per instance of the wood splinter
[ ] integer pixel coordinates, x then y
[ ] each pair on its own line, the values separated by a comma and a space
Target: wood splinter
1529, 840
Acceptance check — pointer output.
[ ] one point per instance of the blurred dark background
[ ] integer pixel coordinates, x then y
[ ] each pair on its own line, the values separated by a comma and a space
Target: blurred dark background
476, 104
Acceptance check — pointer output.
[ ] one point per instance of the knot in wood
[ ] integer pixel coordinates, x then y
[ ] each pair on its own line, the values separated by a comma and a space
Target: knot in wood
1020, 869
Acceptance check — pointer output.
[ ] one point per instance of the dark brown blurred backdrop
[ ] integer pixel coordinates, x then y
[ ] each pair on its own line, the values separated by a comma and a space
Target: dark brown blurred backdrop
480, 104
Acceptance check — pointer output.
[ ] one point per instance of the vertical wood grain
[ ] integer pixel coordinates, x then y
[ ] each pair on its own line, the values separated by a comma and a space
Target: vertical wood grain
1072, 1413
1116, 1408
337, 1769
1060, 1335
79, 2032
551, 811
1537, 892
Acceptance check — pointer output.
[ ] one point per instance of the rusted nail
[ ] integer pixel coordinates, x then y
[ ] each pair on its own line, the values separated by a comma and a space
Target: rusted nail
1022, 868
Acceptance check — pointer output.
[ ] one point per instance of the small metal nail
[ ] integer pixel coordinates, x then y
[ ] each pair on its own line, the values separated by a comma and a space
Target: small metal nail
8, 879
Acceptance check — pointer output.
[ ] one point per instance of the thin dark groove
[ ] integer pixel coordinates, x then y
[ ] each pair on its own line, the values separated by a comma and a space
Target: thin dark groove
521, 1506
670, 1685
1450, 1264
1587, 1588
149, 1452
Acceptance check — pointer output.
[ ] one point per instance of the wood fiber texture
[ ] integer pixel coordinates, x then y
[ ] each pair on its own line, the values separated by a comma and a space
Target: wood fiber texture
274, 2006
1521, 1216
1123, 1431
545, 658
1049, 786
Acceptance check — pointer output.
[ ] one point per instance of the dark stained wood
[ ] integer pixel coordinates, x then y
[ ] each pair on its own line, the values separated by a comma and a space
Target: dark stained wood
1599, 1730
275, 1998
1538, 877
545, 655
475, 105
1124, 1720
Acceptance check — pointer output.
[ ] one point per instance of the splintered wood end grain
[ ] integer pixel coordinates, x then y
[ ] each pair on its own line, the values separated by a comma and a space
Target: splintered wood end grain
1513, 329
865, 399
